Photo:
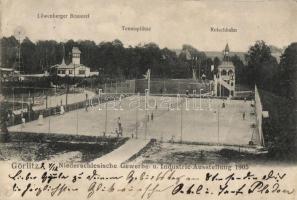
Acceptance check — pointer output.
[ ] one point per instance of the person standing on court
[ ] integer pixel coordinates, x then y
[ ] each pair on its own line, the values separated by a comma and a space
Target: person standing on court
223, 104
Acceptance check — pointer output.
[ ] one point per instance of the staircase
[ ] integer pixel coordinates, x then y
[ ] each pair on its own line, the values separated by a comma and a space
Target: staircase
225, 84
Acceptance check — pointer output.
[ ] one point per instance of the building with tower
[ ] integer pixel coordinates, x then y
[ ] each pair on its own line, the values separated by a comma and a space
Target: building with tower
75, 68
224, 80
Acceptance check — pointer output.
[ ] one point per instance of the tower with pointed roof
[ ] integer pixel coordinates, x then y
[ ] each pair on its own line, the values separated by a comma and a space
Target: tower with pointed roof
225, 79
226, 53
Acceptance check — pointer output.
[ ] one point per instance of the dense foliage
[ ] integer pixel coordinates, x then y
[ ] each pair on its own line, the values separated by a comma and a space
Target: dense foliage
278, 91
111, 59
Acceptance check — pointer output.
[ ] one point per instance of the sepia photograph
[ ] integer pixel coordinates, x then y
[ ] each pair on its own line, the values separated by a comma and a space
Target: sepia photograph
148, 85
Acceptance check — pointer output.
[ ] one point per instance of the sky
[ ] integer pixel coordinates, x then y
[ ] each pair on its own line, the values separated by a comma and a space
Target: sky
172, 23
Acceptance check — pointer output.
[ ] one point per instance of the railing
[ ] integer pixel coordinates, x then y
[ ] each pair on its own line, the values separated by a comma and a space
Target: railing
259, 111
34, 115
225, 84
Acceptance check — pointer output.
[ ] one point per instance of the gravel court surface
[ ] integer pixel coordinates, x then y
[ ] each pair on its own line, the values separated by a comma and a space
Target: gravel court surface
198, 125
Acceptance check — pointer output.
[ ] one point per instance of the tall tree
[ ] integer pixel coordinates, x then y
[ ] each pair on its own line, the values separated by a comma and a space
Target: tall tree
262, 66
28, 50
9, 49
240, 70
216, 63
288, 72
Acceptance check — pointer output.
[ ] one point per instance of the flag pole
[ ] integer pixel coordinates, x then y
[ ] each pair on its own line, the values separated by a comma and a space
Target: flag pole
149, 81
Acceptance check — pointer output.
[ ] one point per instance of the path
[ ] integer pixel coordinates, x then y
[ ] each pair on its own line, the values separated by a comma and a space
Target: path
55, 100
124, 152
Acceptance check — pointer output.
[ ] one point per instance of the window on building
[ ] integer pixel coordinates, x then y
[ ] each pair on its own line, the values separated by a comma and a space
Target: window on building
81, 72
70, 72
223, 72
61, 71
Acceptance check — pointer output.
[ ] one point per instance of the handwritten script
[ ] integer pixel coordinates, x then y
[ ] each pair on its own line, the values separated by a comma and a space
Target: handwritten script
49, 180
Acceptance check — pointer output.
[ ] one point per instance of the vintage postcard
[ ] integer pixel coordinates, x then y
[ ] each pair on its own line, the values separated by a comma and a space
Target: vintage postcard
139, 99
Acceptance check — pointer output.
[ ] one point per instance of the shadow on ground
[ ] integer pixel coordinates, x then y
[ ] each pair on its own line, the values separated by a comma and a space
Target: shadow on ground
37, 147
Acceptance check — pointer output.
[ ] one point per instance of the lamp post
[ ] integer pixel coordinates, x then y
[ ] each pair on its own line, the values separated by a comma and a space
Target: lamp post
218, 124
200, 98
99, 97
149, 81
105, 124
77, 119
116, 87
145, 118
194, 66
30, 107
181, 124
12, 115
49, 117
199, 70
194, 95
136, 123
